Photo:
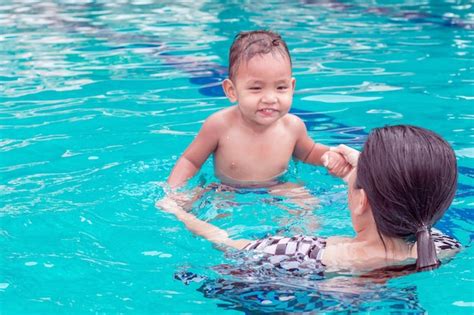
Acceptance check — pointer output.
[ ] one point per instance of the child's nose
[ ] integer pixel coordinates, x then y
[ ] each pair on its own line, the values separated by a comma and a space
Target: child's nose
269, 97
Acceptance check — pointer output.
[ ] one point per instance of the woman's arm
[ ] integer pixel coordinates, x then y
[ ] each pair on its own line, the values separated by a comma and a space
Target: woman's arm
200, 227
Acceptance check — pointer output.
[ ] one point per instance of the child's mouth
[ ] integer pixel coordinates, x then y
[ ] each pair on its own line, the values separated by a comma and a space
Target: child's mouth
267, 111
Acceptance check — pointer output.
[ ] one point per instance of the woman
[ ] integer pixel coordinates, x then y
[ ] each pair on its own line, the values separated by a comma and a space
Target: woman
399, 186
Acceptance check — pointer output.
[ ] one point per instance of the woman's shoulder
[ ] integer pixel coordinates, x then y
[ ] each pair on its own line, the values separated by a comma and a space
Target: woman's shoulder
334, 240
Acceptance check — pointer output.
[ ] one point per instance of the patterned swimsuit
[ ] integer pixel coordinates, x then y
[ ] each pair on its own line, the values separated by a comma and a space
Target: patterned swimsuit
285, 275
294, 252
291, 253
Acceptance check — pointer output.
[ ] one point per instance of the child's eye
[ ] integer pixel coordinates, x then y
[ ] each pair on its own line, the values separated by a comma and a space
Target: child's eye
282, 87
255, 88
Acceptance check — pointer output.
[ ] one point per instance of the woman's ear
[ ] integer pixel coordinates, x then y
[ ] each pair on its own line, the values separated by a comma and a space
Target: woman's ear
362, 203
229, 90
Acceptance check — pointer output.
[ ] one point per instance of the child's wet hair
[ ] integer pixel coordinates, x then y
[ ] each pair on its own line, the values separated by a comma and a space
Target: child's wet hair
410, 176
246, 45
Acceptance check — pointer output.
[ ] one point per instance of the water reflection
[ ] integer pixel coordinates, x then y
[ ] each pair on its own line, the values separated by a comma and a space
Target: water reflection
98, 98
256, 289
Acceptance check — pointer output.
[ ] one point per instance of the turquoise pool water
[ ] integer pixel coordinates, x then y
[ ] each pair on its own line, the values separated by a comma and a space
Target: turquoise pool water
98, 99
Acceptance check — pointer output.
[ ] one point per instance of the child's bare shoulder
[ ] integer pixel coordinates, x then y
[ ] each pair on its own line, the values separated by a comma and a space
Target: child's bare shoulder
220, 119
294, 123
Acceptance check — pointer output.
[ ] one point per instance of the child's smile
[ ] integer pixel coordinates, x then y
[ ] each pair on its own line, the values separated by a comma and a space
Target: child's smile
264, 88
268, 112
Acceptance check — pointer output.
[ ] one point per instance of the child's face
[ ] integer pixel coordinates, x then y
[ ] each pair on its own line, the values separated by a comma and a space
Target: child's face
263, 88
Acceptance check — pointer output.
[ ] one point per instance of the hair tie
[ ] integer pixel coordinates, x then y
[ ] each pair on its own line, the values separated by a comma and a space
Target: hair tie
276, 42
423, 228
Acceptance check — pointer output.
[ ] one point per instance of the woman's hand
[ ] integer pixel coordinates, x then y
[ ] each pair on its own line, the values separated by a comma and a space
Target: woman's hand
169, 205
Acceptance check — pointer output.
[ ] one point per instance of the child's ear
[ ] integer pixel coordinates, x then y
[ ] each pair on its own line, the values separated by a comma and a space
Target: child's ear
229, 90
293, 83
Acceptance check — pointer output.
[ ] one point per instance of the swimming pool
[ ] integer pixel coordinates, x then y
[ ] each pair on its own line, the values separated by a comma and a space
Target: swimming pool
98, 100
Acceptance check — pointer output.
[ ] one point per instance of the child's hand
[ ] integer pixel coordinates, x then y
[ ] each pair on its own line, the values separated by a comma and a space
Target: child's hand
350, 155
336, 164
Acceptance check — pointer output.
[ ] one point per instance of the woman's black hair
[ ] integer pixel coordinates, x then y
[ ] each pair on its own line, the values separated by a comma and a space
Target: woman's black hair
410, 176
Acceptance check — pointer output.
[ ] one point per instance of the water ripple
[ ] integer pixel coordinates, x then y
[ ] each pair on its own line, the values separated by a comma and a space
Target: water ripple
99, 99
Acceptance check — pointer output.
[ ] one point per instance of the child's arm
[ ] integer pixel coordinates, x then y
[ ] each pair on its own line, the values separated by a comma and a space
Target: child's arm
314, 153
306, 149
199, 227
196, 154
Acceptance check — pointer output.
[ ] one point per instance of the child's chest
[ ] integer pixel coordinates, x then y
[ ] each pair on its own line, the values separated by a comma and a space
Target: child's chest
278, 145
253, 158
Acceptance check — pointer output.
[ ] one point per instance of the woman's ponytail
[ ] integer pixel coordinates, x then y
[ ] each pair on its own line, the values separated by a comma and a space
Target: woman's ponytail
426, 250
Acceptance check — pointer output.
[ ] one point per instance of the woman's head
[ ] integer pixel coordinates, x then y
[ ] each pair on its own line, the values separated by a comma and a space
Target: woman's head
409, 175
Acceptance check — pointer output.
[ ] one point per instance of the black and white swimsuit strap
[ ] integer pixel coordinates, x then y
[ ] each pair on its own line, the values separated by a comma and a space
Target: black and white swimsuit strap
309, 246
443, 241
